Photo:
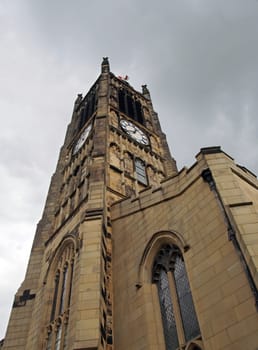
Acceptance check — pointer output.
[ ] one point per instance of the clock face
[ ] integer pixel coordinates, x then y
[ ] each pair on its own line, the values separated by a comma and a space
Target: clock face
82, 139
135, 133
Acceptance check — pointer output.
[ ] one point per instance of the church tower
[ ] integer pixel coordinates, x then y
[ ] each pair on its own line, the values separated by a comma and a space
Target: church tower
132, 254
114, 148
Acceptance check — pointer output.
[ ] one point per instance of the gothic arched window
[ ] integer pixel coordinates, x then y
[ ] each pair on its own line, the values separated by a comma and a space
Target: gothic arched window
178, 314
89, 107
57, 277
63, 290
130, 106
62, 287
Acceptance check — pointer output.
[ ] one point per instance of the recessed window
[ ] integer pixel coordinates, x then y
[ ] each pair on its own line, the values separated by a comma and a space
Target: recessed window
174, 293
140, 170
62, 287
63, 290
87, 109
130, 106
55, 296
167, 312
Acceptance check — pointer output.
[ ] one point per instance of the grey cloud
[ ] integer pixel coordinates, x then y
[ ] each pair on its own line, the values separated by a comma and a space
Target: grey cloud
199, 59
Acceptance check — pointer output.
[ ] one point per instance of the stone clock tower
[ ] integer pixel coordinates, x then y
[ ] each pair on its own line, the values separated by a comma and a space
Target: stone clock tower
114, 148
131, 254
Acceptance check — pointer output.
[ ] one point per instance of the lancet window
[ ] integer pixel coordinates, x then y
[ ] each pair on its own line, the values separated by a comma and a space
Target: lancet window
130, 106
61, 296
140, 170
180, 324
88, 109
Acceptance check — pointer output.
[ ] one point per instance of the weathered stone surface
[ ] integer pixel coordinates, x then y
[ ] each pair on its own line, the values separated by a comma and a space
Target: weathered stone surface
105, 218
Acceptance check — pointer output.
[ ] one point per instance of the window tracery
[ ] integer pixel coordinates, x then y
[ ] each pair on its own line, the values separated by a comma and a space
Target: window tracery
180, 324
61, 296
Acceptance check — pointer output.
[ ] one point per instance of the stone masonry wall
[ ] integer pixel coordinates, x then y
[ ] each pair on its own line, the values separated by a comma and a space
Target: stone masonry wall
186, 212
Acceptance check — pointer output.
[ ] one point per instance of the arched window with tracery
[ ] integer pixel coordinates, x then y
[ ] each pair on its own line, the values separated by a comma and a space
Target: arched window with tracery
178, 314
61, 296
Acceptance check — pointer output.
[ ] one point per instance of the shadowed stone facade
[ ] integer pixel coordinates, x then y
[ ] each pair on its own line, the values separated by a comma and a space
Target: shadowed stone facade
131, 254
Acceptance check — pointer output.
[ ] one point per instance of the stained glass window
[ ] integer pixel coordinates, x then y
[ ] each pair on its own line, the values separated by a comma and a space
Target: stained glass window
189, 319
167, 312
169, 261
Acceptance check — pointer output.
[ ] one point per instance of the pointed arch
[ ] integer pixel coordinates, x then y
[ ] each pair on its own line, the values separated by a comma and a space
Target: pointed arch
58, 280
194, 345
162, 265
157, 240
69, 238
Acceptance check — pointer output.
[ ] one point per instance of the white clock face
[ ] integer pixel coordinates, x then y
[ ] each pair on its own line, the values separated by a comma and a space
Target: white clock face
133, 131
82, 139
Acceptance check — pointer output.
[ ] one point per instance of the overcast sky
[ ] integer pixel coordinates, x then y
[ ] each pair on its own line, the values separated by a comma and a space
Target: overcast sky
199, 59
